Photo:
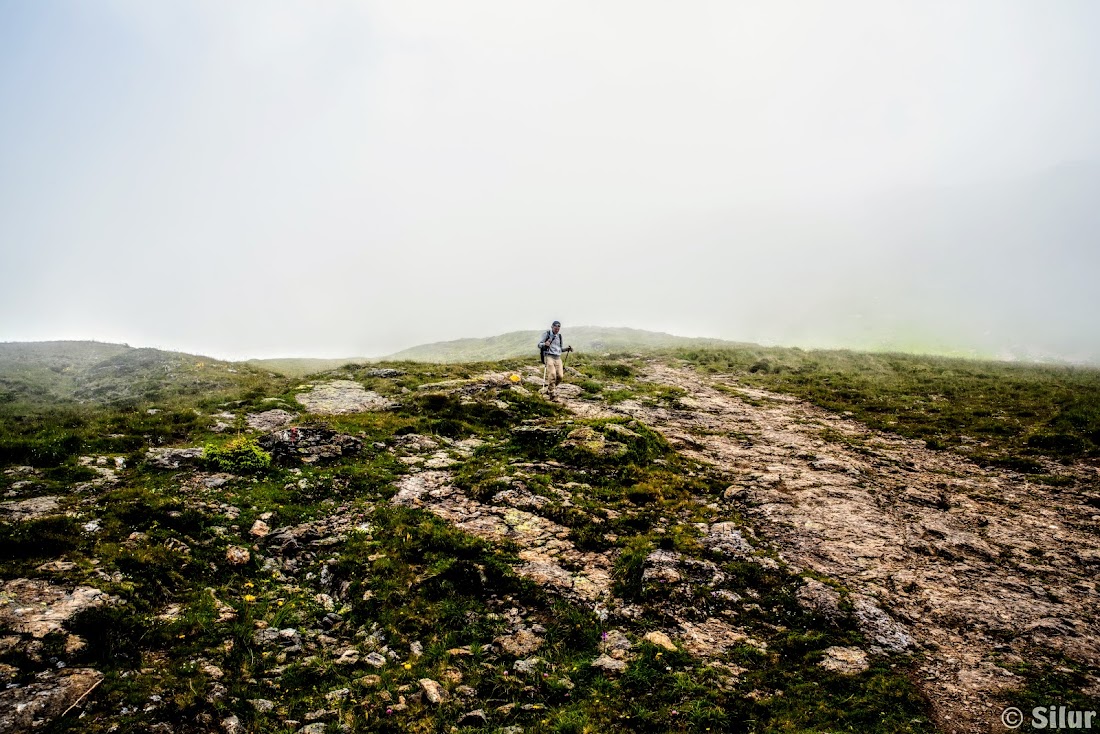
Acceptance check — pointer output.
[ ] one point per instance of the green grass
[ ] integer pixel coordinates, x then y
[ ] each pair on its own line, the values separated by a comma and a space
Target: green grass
1003, 414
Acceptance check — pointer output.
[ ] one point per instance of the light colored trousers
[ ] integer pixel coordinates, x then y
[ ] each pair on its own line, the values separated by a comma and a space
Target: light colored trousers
554, 372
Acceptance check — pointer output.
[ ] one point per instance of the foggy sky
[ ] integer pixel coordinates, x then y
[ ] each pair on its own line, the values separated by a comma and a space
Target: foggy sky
255, 179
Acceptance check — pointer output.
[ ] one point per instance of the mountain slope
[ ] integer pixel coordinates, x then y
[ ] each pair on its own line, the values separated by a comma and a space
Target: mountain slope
94, 372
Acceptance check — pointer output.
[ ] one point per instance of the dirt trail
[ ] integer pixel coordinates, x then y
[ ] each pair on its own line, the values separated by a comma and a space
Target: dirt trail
983, 567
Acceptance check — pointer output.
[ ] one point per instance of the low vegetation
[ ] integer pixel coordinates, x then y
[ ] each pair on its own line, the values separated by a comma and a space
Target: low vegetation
1002, 414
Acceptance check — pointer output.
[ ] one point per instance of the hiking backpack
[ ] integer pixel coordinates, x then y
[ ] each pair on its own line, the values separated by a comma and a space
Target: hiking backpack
542, 349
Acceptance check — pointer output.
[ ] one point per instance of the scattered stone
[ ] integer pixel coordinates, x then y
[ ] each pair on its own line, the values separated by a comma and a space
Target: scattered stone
270, 420
166, 458
237, 556
375, 660
351, 657
386, 372
225, 612
616, 644
309, 445
725, 538
268, 637
660, 639
210, 670
259, 529
314, 728
821, 599
433, 692
177, 546
262, 705
609, 665
57, 567
520, 644
568, 390
340, 694
878, 627
536, 435
530, 665
29, 509
621, 430
342, 396
845, 660
660, 567
475, 718
590, 441
439, 460
712, 637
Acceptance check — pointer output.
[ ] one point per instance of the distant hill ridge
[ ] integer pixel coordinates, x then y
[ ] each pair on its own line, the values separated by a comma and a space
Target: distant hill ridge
592, 339
596, 339
98, 372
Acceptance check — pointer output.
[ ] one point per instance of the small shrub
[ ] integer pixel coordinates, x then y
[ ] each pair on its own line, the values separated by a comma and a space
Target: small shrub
1058, 443
241, 455
615, 370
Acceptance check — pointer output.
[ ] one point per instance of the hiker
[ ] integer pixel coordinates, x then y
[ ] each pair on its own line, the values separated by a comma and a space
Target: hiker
551, 348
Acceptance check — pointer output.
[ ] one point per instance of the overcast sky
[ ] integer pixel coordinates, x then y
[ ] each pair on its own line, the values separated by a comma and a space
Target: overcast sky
253, 179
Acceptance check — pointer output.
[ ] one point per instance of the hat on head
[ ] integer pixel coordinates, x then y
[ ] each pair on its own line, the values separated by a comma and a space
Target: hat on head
556, 323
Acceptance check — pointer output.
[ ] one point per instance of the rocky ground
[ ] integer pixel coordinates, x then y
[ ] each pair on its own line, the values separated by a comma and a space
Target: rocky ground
668, 553
981, 567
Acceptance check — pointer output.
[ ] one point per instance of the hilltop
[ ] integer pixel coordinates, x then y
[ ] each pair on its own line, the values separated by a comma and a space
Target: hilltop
519, 344
512, 345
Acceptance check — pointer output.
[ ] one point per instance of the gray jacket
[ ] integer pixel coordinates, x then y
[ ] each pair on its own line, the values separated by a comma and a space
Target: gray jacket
555, 342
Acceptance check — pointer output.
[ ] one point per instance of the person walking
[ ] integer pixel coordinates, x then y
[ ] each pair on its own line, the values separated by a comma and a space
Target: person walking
551, 347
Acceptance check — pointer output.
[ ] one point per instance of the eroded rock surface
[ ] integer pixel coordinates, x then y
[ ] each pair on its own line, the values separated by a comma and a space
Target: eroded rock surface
941, 551
37, 608
168, 458
270, 420
549, 557
342, 396
309, 445
32, 707
29, 509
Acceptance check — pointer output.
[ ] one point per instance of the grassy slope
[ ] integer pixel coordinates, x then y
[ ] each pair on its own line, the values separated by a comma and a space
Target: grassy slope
998, 413
48, 374
413, 578
303, 366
